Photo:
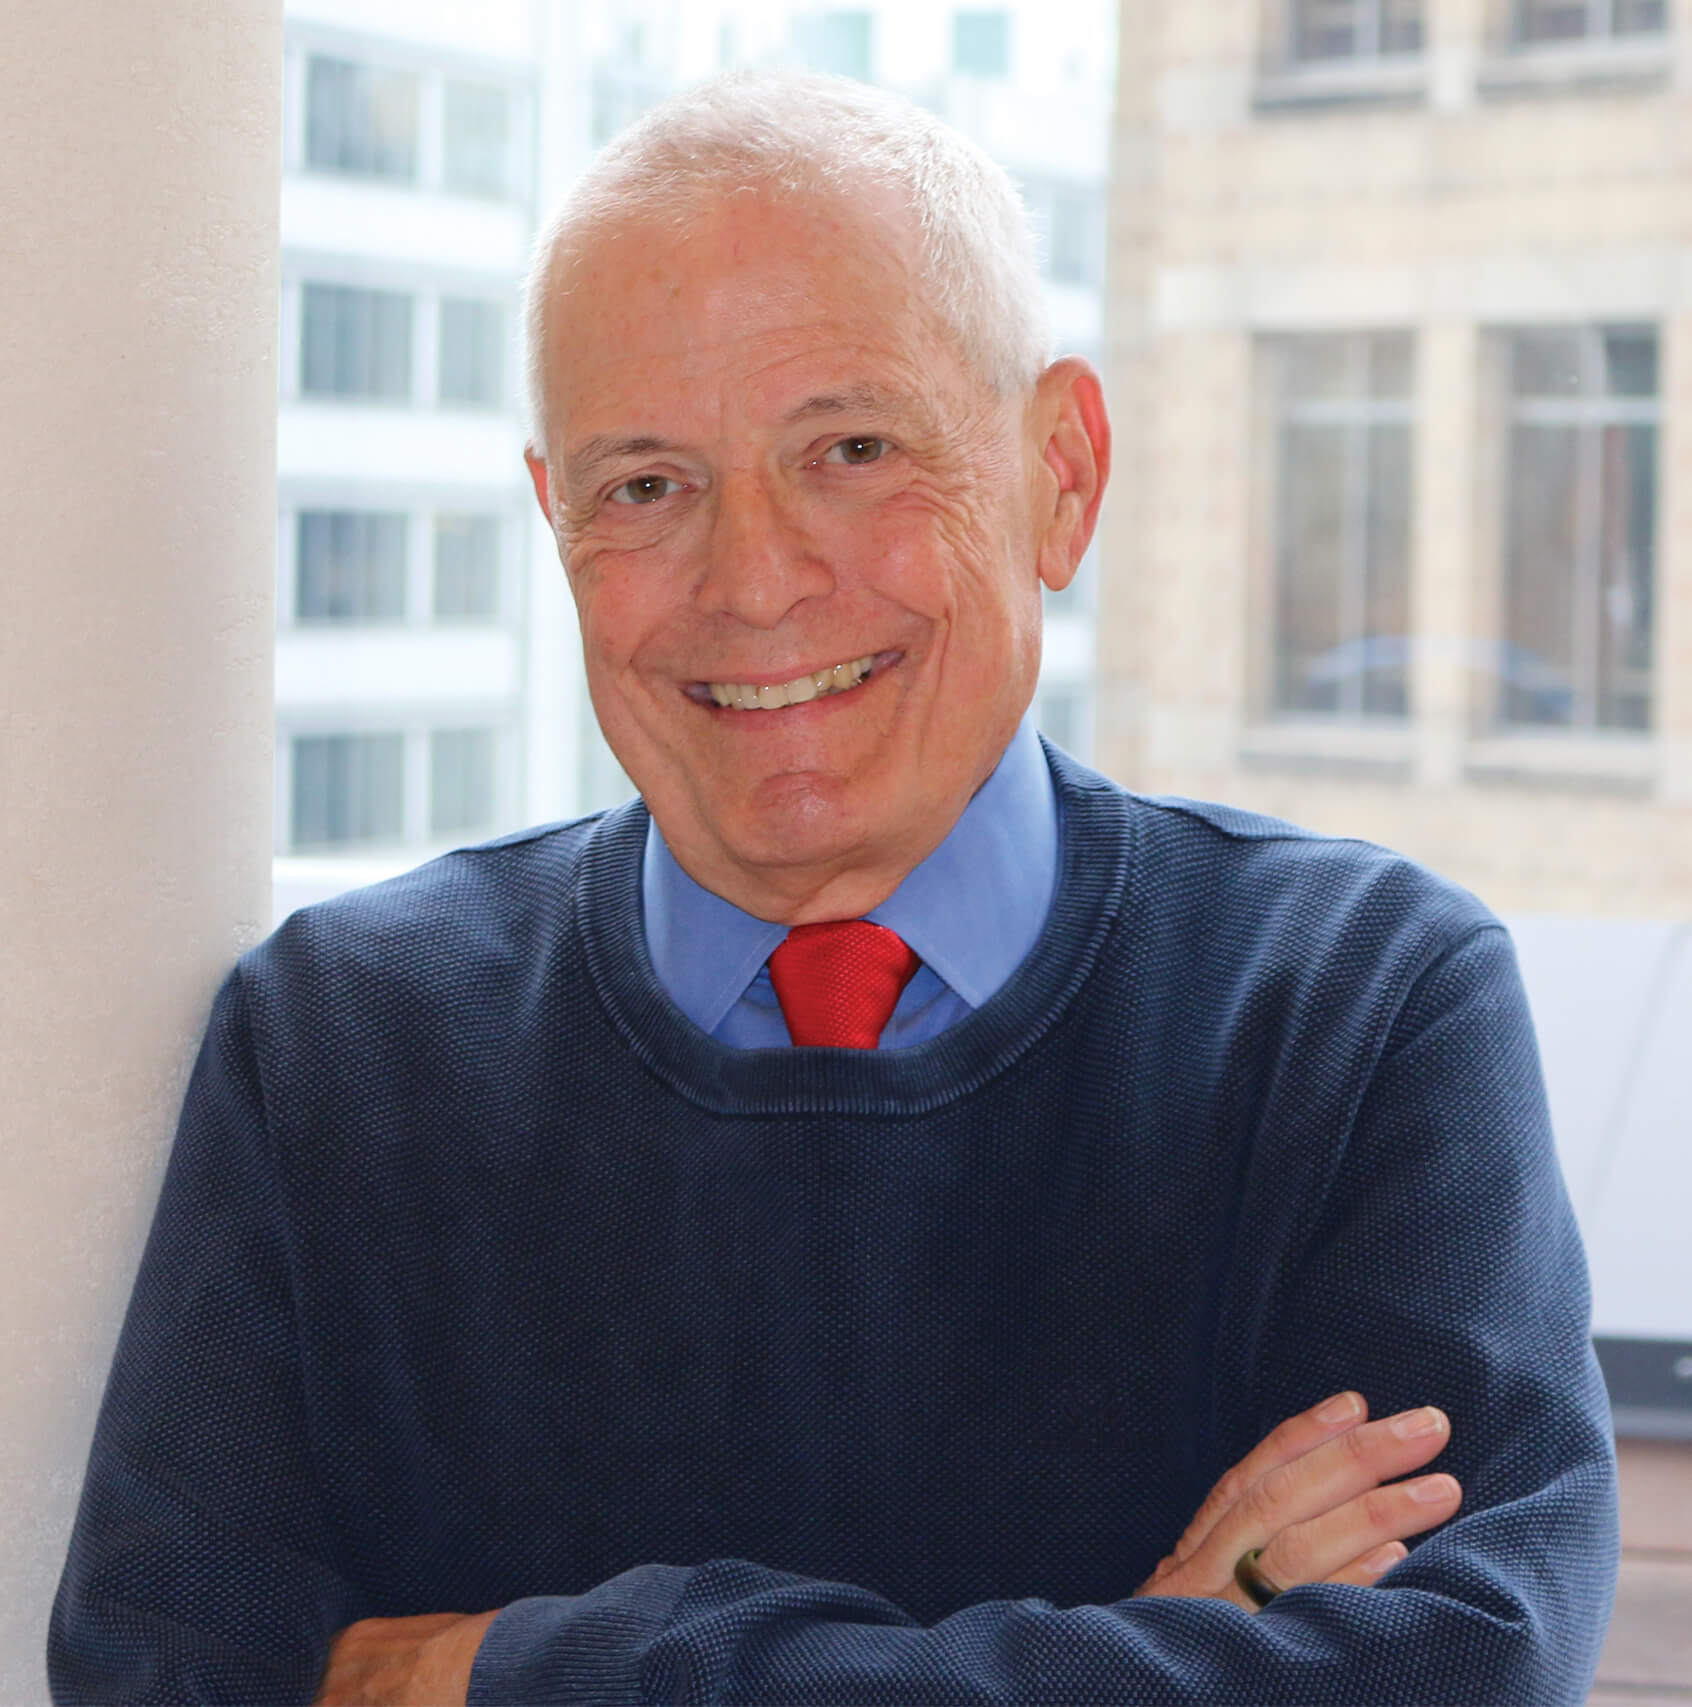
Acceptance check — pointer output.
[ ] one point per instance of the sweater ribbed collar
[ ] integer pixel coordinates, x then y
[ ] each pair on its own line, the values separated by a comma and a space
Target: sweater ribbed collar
1093, 865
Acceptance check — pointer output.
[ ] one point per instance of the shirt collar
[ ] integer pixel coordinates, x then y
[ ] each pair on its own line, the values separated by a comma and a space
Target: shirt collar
971, 910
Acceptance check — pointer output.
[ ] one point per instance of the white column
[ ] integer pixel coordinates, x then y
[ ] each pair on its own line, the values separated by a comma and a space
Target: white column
137, 510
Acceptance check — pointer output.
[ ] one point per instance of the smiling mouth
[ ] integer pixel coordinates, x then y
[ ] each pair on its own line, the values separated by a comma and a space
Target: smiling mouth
777, 696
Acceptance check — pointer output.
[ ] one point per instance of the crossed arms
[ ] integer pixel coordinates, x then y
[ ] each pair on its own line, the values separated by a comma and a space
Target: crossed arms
206, 1567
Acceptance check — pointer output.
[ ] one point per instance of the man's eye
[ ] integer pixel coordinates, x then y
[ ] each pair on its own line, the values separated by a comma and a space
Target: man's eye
645, 489
857, 450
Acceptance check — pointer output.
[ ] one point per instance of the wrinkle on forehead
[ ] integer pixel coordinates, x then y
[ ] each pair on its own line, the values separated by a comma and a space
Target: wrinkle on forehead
839, 268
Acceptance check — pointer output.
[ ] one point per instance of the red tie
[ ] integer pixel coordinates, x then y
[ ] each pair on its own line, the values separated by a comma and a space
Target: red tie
837, 982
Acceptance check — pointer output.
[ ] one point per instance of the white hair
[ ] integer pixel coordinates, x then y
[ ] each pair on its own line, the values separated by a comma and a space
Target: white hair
787, 132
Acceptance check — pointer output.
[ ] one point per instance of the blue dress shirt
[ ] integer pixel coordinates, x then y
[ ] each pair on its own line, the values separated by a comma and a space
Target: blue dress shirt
971, 910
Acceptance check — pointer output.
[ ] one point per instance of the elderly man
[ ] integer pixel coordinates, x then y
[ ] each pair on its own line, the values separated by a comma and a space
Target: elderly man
818, 1233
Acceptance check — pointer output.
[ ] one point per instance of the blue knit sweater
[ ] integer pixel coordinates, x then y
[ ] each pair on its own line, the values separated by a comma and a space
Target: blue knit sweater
482, 1278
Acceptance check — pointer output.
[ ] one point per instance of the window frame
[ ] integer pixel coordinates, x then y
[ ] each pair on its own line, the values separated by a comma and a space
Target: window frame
1590, 416
1357, 414
1370, 18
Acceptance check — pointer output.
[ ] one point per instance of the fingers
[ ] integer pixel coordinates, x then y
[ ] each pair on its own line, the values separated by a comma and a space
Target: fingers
1292, 1440
1349, 1542
1368, 1570
1313, 1515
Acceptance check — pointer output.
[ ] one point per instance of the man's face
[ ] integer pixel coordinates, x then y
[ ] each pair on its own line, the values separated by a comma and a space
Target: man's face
772, 475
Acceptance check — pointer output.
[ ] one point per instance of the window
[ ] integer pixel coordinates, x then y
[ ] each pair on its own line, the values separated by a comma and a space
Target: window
361, 119
355, 343
461, 780
350, 567
1354, 29
1580, 528
476, 139
840, 42
1342, 477
472, 368
348, 790
466, 568
981, 44
1073, 237
1575, 20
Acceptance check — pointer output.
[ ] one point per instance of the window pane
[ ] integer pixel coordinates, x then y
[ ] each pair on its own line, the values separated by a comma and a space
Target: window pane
1391, 364
981, 44
355, 343
1553, 363
1326, 29
1537, 658
1313, 368
476, 139
466, 567
1627, 553
1582, 519
461, 780
1070, 242
1058, 717
1343, 502
1551, 20
1401, 26
351, 567
1630, 362
472, 353
1638, 17
840, 42
360, 119
1310, 568
1383, 646
348, 789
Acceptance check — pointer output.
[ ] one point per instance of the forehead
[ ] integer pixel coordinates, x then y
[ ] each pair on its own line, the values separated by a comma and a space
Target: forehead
747, 301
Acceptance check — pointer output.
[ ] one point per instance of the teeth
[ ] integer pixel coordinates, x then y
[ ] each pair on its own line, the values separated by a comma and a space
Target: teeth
745, 697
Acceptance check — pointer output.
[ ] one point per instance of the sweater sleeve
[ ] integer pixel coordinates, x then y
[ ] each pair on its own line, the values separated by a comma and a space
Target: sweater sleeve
1446, 1246
200, 1568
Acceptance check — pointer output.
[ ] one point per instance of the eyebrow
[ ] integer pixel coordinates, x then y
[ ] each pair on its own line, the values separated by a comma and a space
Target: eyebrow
856, 399
607, 447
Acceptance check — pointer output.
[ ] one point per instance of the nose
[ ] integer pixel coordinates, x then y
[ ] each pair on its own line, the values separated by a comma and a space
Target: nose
759, 562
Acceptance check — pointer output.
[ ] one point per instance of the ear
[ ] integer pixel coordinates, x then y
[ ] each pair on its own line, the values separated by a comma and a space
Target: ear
537, 475
1069, 410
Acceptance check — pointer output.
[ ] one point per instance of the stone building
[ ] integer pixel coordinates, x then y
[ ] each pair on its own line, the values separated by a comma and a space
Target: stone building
1399, 337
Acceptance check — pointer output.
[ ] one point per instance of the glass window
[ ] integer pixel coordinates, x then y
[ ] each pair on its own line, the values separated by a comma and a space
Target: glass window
981, 43
461, 780
472, 353
350, 567
360, 119
476, 139
348, 790
1571, 20
1342, 469
1580, 533
1073, 237
355, 343
841, 42
466, 568
1355, 29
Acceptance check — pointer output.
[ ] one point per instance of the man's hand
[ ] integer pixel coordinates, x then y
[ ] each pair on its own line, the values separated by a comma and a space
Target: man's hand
403, 1662
1311, 1498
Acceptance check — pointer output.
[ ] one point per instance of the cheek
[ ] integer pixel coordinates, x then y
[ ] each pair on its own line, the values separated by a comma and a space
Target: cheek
943, 559
616, 606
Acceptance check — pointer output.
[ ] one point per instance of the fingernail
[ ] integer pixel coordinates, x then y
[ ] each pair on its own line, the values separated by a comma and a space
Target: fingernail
1414, 1423
1384, 1558
1341, 1408
1432, 1489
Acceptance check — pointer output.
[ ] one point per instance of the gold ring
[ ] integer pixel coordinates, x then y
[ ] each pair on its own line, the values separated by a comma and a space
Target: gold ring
1256, 1586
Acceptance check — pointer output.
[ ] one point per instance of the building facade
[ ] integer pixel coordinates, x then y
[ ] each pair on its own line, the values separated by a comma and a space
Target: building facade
1400, 348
